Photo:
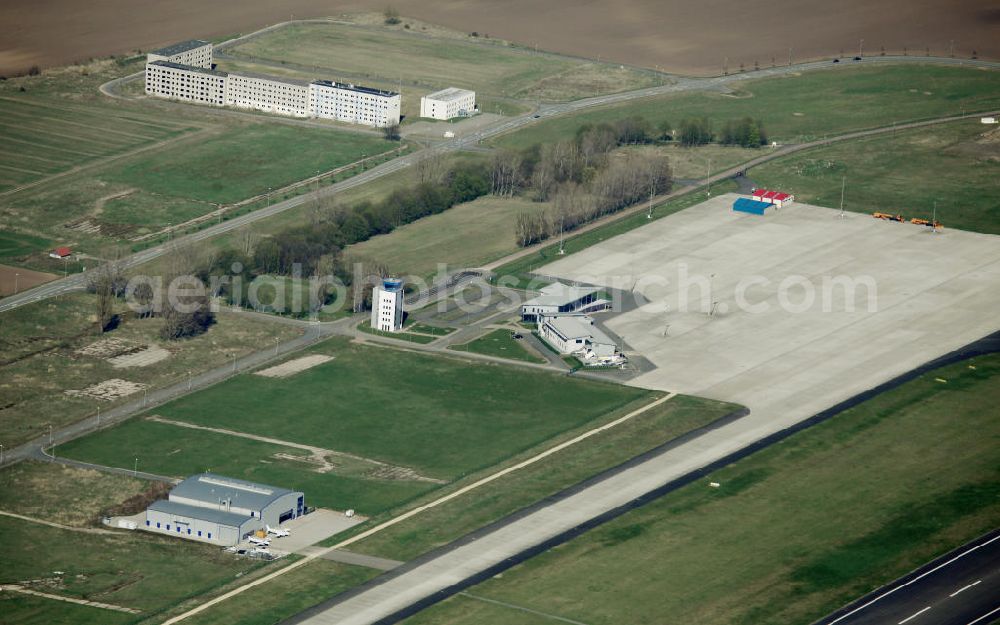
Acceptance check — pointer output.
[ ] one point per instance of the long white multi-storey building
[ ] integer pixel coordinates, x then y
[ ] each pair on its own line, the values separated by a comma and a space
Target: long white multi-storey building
196, 53
168, 77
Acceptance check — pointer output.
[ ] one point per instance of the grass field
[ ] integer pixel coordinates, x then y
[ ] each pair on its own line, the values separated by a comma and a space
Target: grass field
693, 163
794, 531
40, 136
360, 53
803, 107
477, 410
953, 165
467, 235
39, 343
287, 595
500, 344
64, 495
135, 570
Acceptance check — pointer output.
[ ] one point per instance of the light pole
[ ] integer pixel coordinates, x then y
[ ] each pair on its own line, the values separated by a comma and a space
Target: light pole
50, 435
708, 179
1, 453
189, 380
16, 277
276, 340
143, 398
135, 468
234, 364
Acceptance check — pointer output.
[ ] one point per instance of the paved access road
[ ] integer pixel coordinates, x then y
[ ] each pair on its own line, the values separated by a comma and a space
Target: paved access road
960, 588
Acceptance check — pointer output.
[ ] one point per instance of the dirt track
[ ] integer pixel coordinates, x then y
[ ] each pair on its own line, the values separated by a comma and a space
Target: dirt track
679, 35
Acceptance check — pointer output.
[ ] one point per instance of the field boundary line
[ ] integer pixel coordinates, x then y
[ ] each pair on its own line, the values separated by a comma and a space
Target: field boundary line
415, 511
70, 528
46, 595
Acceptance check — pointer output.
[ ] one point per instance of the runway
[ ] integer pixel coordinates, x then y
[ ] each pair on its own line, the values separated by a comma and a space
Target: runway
959, 588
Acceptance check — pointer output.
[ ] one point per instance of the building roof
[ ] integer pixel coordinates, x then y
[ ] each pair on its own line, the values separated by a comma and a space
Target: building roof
559, 294
183, 46
577, 327
745, 205
212, 488
191, 68
449, 94
351, 87
212, 515
62, 251
291, 81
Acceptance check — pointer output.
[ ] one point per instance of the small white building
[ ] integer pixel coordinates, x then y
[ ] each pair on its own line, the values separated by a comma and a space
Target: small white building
577, 334
195, 53
166, 79
563, 298
448, 103
353, 104
284, 96
987, 120
222, 510
387, 305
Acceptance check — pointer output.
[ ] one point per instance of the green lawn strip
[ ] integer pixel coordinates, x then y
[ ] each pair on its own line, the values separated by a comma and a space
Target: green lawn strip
366, 327
287, 594
175, 451
265, 155
135, 570
471, 234
803, 107
795, 530
514, 273
951, 165
570, 466
499, 343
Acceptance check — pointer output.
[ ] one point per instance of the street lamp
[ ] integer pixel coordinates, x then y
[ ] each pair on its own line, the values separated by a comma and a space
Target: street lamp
135, 468
16, 277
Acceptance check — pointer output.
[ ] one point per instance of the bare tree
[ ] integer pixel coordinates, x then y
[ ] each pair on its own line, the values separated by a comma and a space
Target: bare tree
505, 173
432, 168
248, 241
366, 274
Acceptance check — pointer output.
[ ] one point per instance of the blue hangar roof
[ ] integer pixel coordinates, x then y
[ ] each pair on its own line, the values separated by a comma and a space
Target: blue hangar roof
743, 205
212, 488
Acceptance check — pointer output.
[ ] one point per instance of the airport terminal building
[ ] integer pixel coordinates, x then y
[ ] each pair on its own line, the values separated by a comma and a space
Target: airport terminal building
563, 298
222, 510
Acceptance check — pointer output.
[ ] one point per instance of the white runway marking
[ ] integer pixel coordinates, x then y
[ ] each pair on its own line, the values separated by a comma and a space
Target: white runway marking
914, 615
987, 615
965, 587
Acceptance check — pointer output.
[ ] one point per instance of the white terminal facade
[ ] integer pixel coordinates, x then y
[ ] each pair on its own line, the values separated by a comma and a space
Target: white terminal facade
448, 103
387, 305
184, 72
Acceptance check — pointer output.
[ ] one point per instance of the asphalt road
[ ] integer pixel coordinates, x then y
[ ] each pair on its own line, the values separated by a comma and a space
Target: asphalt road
960, 588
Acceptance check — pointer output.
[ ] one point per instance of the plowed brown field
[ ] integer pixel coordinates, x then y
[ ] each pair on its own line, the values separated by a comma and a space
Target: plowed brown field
682, 36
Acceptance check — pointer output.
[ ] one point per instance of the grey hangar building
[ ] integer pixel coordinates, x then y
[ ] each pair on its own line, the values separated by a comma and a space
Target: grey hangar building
222, 510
